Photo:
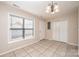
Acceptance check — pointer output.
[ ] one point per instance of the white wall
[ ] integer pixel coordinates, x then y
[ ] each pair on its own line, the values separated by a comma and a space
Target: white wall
4, 46
78, 31
72, 36
3, 27
42, 29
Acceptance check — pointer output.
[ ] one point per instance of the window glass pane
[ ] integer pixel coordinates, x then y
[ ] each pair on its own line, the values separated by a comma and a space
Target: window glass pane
16, 34
28, 23
28, 32
16, 22
18, 28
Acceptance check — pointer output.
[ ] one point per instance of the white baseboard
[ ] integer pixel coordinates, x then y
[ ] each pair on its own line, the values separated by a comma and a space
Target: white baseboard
72, 44
66, 42
18, 47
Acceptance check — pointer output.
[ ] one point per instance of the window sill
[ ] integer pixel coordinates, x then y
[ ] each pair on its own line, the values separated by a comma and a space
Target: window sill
20, 39
29, 37
15, 40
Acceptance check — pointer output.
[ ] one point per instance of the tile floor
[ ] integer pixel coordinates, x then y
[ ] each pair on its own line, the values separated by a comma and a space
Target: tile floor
45, 48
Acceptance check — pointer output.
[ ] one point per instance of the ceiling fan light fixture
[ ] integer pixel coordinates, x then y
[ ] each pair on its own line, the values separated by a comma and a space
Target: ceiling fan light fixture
57, 10
52, 12
52, 8
56, 7
48, 7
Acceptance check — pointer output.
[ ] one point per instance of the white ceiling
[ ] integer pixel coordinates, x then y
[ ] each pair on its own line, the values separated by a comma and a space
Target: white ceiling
39, 7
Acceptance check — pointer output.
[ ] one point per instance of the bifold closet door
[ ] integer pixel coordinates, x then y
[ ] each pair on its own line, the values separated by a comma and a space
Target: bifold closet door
59, 31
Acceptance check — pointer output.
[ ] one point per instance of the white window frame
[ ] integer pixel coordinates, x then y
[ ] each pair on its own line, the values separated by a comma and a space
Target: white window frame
20, 39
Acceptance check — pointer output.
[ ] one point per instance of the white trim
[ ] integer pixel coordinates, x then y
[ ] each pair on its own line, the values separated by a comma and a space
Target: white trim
20, 39
9, 42
66, 42
9, 32
72, 44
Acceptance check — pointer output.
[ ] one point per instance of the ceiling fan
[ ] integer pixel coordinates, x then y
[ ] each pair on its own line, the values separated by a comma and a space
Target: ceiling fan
52, 8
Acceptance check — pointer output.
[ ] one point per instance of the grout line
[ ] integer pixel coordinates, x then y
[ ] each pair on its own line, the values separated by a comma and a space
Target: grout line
45, 50
56, 49
27, 52
14, 53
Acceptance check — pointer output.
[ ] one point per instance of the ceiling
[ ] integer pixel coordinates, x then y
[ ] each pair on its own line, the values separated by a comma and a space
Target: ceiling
39, 7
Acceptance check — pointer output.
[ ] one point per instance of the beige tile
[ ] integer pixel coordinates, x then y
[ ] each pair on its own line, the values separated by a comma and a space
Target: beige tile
27, 55
60, 51
41, 49
29, 49
35, 53
71, 51
36, 46
47, 53
45, 48
20, 53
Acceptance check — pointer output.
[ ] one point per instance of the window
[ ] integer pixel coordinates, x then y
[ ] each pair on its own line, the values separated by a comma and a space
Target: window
20, 27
